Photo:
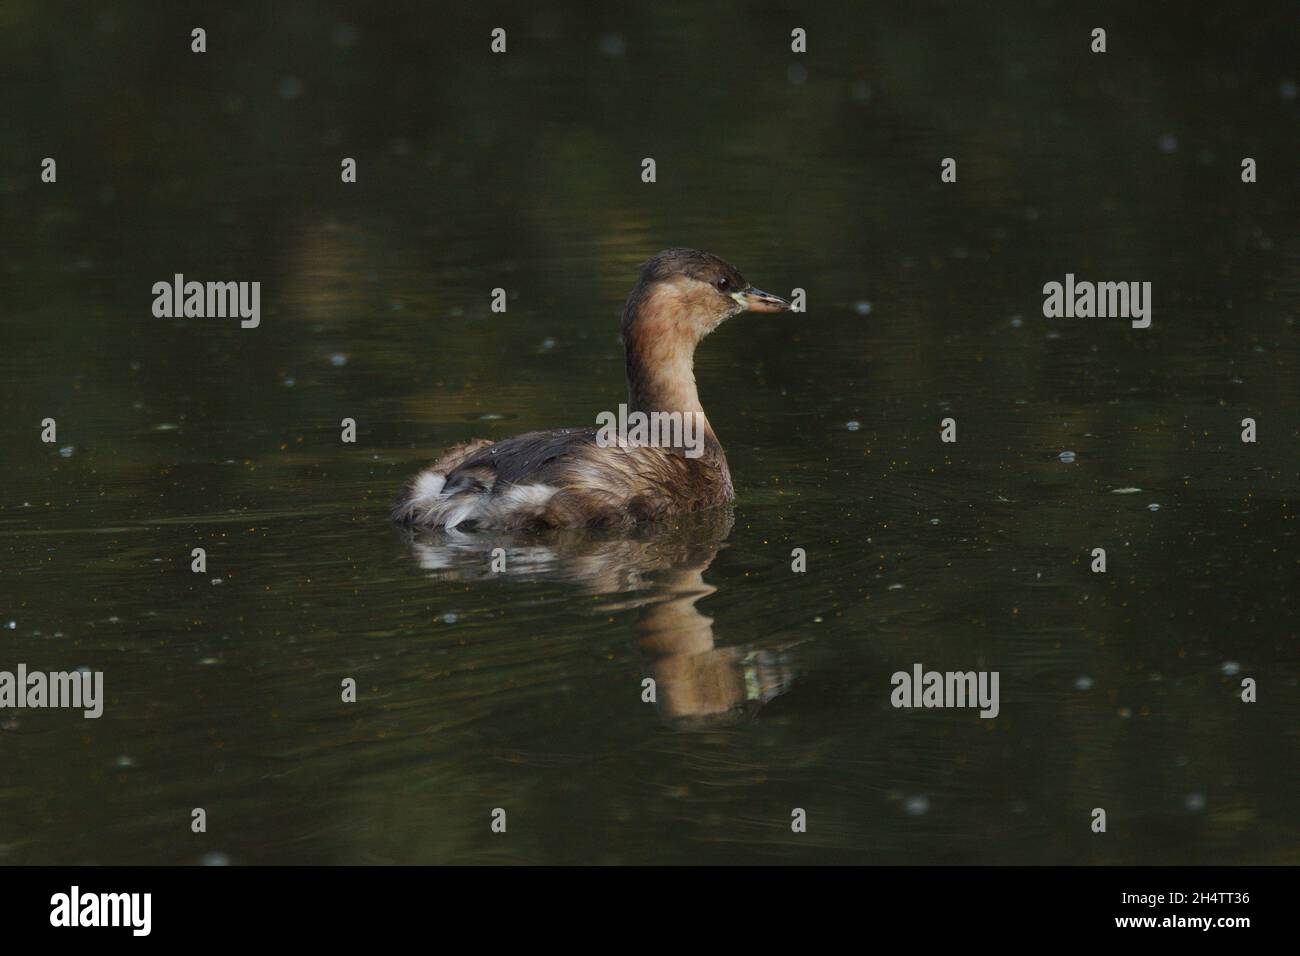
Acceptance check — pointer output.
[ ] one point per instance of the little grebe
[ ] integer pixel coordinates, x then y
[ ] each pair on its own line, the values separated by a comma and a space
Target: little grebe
567, 478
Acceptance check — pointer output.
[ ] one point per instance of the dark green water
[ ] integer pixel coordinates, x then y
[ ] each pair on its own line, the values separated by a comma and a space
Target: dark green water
523, 690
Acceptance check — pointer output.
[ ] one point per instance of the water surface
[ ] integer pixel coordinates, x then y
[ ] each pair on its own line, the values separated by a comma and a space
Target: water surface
523, 690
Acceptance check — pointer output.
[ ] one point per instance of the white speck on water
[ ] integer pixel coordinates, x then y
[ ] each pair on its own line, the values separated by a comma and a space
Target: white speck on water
1124, 713
894, 587
166, 427
862, 308
613, 45
1230, 668
1083, 682
209, 661
123, 762
817, 619
1017, 321
1153, 507
853, 425
934, 521
218, 581
12, 625
1125, 491
917, 806
338, 360
548, 344
1067, 457
1194, 802
450, 618
66, 451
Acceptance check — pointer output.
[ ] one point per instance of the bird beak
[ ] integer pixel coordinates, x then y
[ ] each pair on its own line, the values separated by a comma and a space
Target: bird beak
756, 300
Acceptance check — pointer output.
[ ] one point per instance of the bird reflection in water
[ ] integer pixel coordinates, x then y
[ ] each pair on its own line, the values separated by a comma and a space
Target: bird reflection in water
658, 569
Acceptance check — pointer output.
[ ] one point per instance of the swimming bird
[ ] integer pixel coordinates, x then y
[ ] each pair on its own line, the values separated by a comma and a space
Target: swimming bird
572, 477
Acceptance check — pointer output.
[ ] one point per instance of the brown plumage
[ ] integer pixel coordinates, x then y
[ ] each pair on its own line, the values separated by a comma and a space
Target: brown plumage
565, 478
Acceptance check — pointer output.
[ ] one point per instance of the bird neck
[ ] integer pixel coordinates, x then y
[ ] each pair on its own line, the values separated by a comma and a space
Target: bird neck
661, 374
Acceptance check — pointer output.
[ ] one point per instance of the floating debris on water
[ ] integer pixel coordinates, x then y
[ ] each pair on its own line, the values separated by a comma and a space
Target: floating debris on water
1125, 491
917, 806
862, 308
1067, 457
1083, 682
853, 425
1230, 668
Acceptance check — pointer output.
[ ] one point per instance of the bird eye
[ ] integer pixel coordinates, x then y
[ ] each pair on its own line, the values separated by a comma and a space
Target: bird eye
722, 284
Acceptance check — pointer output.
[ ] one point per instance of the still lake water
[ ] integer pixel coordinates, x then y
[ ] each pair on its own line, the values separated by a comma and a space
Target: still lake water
523, 690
